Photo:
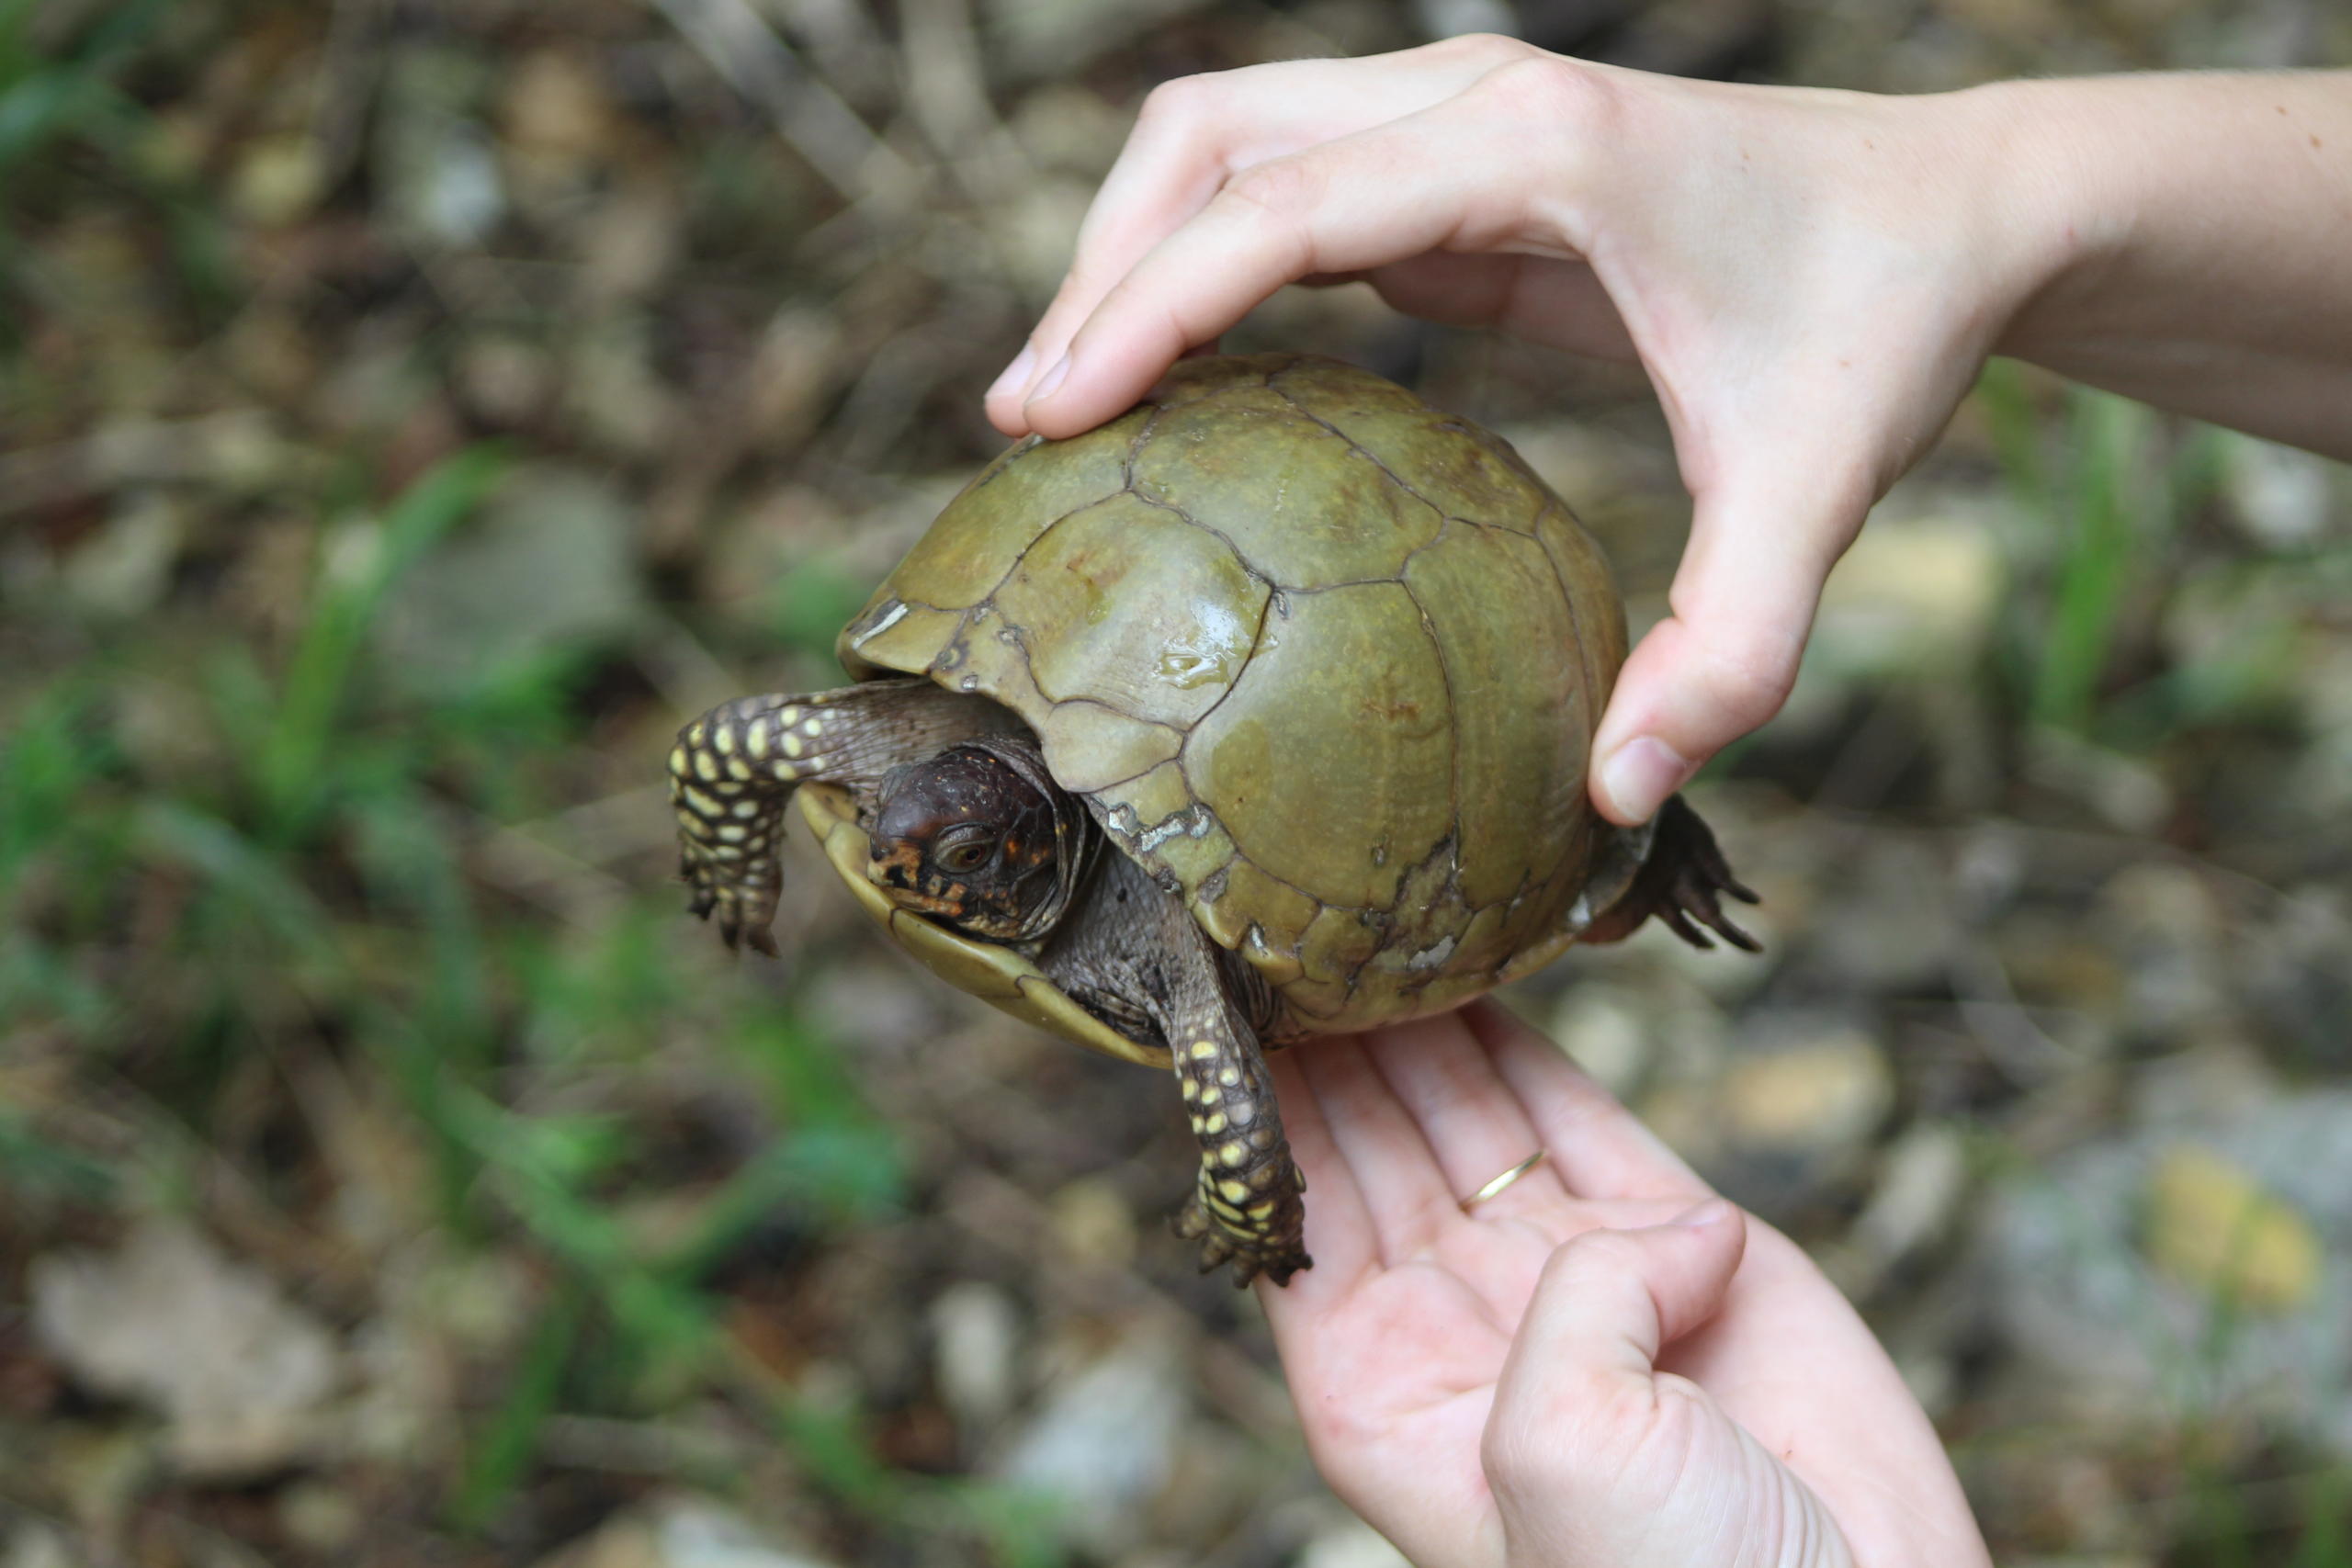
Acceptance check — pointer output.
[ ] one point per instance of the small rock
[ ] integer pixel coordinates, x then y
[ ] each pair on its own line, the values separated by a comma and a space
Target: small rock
1604, 1030
1887, 924
36, 1543
279, 179
125, 565
1911, 594
2167, 929
1103, 1442
1351, 1544
1807, 1086
2127, 794
2213, 1227
2280, 495
2249, 1213
546, 566
239, 1372
1799, 1099
1090, 1224
683, 1531
1920, 1183
976, 1332
322, 1519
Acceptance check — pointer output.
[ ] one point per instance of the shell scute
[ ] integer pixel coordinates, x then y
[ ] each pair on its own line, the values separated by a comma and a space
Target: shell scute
1492, 604
1302, 505
984, 530
1138, 610
1333, 761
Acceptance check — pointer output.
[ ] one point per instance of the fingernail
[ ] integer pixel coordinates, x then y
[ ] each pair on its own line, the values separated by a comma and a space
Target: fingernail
1641, 774
1053, 381
1706, 1216
1016, 375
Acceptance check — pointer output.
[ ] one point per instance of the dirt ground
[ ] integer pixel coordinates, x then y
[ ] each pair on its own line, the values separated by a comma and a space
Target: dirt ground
410, 411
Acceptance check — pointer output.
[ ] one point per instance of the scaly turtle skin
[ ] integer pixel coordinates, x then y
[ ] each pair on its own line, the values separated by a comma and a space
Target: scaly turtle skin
1263, 711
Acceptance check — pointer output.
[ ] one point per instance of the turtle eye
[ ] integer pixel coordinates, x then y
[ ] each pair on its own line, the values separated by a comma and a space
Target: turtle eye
965, 854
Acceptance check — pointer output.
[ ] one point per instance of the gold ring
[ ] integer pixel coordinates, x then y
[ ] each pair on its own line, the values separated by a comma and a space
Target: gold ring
1505, 1180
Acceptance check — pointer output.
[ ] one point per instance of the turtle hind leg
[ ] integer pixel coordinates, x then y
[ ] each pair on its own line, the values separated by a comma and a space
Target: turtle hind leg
1682, 883
1245, 1207
733, 771
1128, 938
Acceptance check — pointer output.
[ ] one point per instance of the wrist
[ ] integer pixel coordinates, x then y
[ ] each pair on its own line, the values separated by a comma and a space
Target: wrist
2056, 218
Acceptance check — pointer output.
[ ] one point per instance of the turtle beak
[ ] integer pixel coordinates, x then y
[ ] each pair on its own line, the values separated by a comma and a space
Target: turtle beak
895, 868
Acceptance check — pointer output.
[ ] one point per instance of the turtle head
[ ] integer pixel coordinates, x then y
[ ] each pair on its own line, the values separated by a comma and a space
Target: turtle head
980, 839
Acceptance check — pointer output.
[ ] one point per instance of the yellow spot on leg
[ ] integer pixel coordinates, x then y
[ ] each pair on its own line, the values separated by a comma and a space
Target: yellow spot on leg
723, 741
1211, 1095
1214, 1125
1233, 1191
706, 767
1204, 1049
812, 728
1192, 1089
792, 746
1228, 1077
1262, 1213
679, 761
1234, 1153
755, 739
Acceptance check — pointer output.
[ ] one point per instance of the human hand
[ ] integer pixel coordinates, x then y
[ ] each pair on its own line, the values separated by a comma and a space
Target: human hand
1603, 1364
1725, 237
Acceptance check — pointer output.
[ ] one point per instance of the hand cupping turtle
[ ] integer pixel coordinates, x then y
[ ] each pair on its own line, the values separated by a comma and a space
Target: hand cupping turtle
1261, 712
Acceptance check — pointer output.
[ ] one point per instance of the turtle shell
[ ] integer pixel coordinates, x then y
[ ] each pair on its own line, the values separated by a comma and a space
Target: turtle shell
1323, 660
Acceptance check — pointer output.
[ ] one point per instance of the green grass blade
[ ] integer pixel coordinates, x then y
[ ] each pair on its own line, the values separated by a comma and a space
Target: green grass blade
2095, 560
502, 1454
299, 747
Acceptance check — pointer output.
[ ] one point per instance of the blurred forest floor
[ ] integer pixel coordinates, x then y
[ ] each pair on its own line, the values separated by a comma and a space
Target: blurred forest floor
410, 411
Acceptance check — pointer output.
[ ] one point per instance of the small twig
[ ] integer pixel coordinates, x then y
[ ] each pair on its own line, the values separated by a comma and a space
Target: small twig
741, 47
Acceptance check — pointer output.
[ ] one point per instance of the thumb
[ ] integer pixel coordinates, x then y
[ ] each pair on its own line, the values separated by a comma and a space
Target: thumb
1723, 661
1609, 1301
1581, 1380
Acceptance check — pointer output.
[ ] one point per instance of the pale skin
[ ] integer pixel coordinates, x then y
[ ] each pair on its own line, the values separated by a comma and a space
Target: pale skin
1605, 1365
1811, 280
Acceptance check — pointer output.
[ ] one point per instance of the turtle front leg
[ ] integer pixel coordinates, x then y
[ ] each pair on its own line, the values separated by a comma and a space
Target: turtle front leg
1132, 953
734, 769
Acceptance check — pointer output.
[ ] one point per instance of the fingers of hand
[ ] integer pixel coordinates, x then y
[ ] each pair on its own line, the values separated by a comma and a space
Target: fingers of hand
1598, 1149
1472, 1120
1405, 1190
1586, 1349
1193, 135
1340, 1235
1176, 267
1725, 661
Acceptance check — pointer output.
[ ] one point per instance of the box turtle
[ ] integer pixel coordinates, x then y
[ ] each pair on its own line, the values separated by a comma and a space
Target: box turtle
1260, 712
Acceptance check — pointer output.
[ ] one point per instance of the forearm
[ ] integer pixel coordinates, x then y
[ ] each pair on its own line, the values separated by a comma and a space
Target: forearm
2199, 235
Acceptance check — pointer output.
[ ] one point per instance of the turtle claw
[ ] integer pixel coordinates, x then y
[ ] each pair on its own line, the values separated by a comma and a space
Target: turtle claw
1273, 1257
1682, 883
744, 913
